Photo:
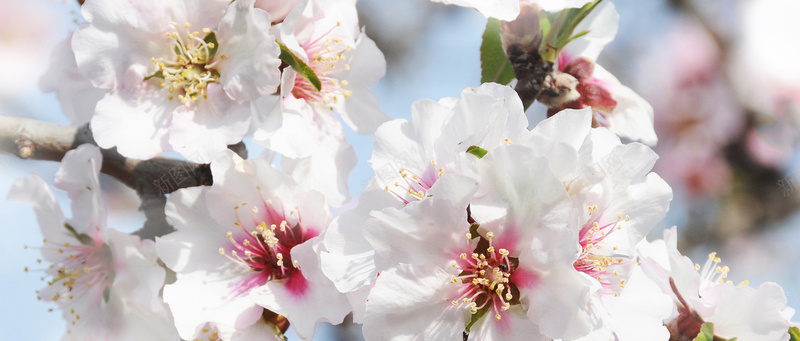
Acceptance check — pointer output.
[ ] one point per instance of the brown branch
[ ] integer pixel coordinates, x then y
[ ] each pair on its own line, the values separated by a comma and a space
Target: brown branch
152, 179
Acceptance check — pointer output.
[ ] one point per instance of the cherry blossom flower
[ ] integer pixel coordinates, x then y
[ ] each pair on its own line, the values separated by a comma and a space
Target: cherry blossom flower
619, 201
300, 125
511, 277
589, 85
106, 282
765, 75
178, 78
703, 294
409, 157
247, 246
698, 114
25, 46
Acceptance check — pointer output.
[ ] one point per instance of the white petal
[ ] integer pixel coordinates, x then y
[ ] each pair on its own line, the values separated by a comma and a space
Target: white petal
219, 304
748, 314
78, 176
136, 125
602, 24
501, 9
201, 130
413, 303
633, 116
250, 68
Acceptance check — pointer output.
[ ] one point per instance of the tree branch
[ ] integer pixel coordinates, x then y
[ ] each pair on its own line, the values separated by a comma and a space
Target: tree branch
152, 179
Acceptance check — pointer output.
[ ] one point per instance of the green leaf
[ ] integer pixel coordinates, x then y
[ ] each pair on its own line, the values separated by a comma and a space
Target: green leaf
473, 230
300, 66
578, 35
157, 74
794, 334
477, 151
544, 22
495, 66
706, 332
477, 316
211, 38
83, 238
562, 26
107, 294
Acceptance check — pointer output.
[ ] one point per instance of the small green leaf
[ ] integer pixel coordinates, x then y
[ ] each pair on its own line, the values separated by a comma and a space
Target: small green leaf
544, 22
211, 38
706, 332
83, 238
743, 283
794, 334
107, 294
301, 67
477, 151
495, 66
157, 74
473, 230
562, 25
578, 35
477, 316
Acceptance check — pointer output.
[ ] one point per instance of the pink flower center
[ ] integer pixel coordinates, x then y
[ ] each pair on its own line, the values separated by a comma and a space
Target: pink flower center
599, 259
81, 278
485, 279
326, 56
265, 246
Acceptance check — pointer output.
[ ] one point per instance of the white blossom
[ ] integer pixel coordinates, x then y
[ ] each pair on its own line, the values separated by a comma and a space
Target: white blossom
246, 244
106, 282
179, 74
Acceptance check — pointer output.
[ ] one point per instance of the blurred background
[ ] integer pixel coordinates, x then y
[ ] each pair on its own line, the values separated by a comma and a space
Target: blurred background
722, 76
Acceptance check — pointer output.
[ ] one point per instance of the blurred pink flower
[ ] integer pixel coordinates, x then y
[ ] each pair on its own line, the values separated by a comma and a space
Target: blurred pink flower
25, 46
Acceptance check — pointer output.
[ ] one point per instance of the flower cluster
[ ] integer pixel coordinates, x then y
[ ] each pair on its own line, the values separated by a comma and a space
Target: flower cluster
475, 226
201, 75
